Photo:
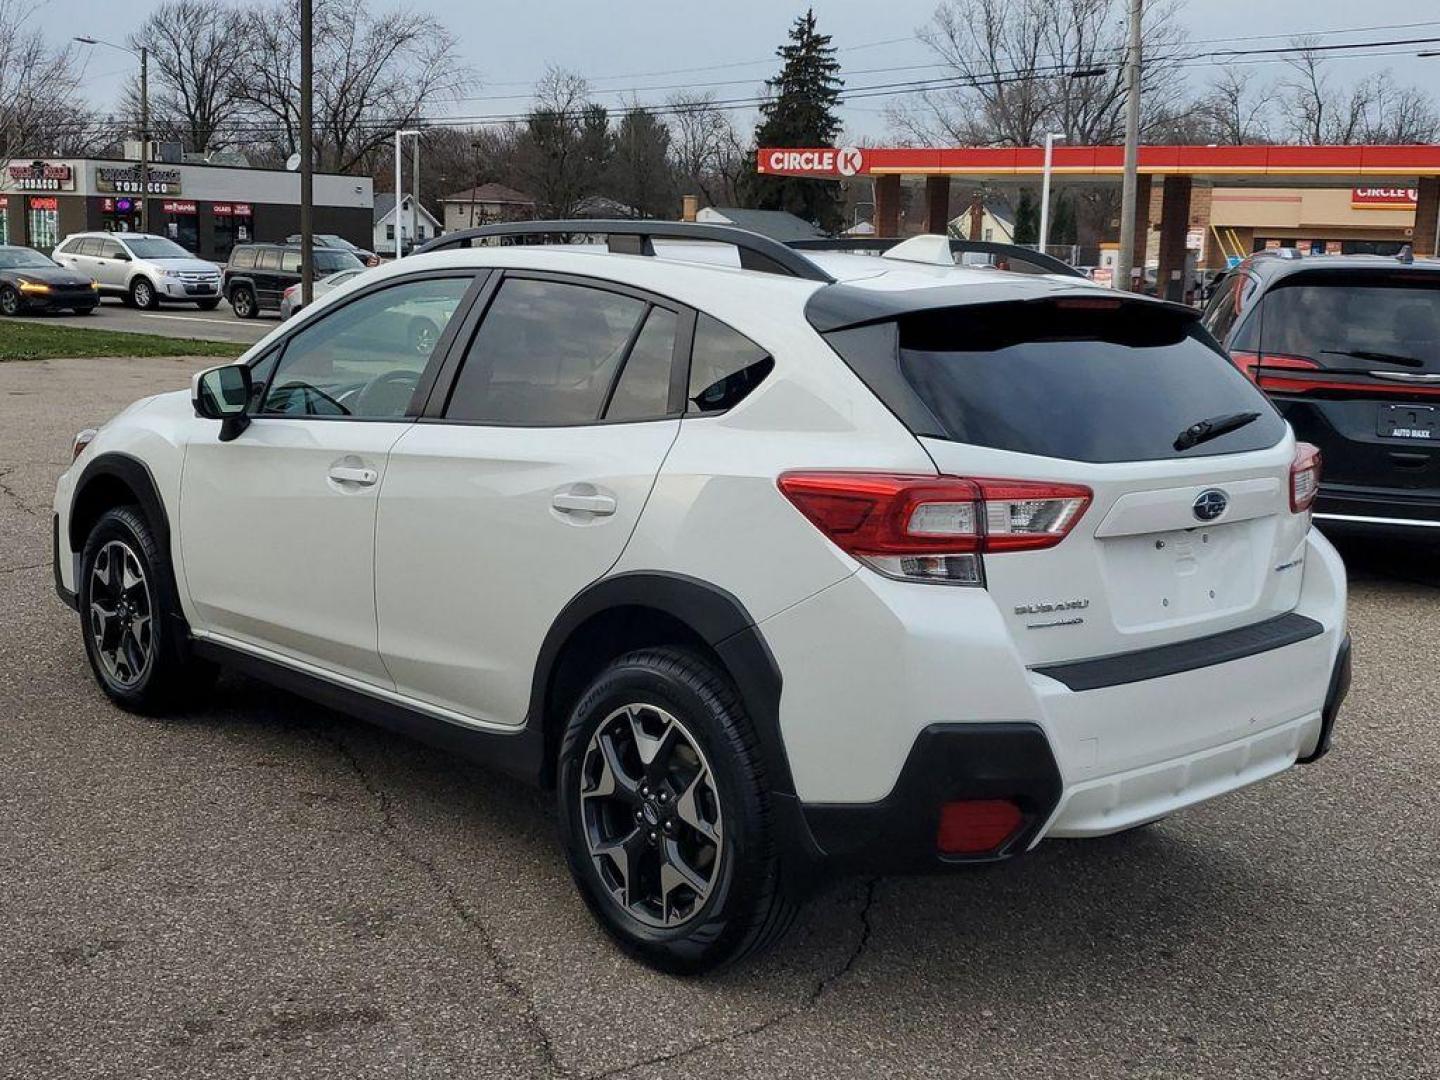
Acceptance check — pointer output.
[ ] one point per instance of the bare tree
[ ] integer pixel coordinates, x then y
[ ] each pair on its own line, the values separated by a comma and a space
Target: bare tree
1374, 110
1235, 108
373, 73
705, 148
563, 147
1024, 67
40, 111
199, 54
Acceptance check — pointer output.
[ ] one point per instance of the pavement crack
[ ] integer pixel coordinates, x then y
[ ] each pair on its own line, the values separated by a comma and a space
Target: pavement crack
820, 989
510, 979
17, 569
6, 489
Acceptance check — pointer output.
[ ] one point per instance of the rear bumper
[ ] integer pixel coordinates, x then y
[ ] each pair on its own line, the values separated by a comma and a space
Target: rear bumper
1345, 508
945, 711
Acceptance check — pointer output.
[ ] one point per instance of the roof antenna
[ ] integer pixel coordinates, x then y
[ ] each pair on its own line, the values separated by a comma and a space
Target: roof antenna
1406, 254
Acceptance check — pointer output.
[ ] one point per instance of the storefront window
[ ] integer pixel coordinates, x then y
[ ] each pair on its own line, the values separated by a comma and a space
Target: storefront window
120, 214
43, 223
232, 226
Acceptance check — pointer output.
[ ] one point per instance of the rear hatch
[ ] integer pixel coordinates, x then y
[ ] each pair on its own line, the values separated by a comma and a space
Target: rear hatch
1352, 356
1183, 536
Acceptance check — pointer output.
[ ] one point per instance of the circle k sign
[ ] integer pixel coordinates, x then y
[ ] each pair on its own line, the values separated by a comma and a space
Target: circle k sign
828, 161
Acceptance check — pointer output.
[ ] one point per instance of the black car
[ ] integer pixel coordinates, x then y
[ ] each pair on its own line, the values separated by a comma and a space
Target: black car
31, 282
1348, 347
330, 240
257, 275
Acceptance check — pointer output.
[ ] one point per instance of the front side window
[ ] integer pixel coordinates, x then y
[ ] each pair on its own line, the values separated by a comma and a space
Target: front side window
242, 258
363, 360
108, 249
290, 262
328, 262
724, 366
546, 353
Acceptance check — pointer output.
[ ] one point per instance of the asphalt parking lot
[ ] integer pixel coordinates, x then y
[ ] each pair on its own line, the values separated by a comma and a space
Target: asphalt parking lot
265, 888
169, 320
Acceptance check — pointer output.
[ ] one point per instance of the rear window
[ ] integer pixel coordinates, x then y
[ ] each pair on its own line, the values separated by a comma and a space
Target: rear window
1079, 382
1359, 320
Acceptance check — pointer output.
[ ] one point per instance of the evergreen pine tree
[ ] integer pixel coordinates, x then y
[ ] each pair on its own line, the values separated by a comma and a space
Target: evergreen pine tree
801, 113
1027, 218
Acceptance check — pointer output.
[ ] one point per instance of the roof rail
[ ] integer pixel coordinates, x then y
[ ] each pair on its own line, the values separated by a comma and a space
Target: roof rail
637, 238
1048, 263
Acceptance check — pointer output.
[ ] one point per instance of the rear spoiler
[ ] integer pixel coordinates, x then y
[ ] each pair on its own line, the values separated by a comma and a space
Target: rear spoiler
841, 306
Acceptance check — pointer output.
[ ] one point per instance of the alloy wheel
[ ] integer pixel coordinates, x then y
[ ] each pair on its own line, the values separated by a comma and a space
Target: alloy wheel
121, 614
652, 816
144, 294
9, 302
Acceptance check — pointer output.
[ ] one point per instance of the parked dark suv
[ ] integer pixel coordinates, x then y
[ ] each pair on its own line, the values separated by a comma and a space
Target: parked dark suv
1348, 347
257, 275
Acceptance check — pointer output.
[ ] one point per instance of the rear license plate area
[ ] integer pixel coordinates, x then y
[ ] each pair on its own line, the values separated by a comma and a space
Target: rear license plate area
1414, 423
1162, 578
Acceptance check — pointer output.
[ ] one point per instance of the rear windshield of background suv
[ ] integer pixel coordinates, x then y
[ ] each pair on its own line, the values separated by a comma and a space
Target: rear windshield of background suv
1359, 320
1075, 382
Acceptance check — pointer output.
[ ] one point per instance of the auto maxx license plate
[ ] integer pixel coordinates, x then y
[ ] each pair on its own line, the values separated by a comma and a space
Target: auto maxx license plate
1409, 422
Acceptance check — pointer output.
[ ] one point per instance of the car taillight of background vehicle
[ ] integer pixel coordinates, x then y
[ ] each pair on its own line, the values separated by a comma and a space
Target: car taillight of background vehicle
292, 291
1304, 477
933, 528
1287, 374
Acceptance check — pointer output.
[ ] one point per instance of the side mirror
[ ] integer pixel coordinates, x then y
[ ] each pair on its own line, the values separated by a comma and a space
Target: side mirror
123, 256
223, 393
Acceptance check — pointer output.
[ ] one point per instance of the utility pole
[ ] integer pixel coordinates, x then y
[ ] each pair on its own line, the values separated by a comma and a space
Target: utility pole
475, 191
307, 155
1125, 263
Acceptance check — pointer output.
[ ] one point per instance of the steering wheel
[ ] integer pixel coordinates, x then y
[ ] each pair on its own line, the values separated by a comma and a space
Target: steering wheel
387, 394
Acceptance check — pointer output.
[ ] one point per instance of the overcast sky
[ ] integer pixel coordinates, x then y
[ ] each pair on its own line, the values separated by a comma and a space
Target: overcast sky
647, 47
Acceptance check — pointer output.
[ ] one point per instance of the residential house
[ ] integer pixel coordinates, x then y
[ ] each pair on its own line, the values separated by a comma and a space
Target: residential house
485, 205
384, 235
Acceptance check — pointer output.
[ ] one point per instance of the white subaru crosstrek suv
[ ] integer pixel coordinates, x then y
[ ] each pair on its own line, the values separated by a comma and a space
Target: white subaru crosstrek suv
142, 269
807, 562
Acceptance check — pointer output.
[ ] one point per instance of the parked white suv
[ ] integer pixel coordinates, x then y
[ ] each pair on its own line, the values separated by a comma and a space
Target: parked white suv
798, 564
141, 269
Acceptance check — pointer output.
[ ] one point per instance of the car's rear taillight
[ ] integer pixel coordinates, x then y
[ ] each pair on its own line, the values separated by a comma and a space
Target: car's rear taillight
1250, 363
291, 291
933, 528
1304, 477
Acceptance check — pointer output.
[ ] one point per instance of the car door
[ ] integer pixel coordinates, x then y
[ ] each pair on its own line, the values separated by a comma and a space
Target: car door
277, 526
111, 265
268, 287
523, 485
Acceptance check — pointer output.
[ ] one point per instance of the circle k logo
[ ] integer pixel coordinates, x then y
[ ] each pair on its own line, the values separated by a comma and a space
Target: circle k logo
848, 160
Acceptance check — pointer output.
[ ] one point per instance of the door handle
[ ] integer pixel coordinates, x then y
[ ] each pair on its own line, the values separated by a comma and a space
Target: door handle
568, 502
353, 474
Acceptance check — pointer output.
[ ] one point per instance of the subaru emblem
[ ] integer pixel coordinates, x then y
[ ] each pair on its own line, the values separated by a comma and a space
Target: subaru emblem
1210, 504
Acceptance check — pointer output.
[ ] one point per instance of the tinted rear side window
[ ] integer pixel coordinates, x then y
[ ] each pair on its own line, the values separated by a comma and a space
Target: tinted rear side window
725, 366
1076, 382
1371, 321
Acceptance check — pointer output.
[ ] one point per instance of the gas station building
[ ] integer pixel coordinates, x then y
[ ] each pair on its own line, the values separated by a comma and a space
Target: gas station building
1231, 199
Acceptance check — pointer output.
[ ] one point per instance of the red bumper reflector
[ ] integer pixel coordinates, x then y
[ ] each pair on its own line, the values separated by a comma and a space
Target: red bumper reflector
976, 826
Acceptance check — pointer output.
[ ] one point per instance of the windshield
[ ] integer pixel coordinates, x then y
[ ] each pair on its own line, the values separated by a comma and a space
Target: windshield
155, 247
327, 262
1084, 382
1356, 320
20, 259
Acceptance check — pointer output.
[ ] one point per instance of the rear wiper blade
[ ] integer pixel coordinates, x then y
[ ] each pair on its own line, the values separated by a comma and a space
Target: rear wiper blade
1377, 357
1212, 428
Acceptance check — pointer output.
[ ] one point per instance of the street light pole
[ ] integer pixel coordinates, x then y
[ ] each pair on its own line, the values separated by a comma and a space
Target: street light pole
307, 156
1125, 261
399, 201
144, 54
144, 139
1050, 138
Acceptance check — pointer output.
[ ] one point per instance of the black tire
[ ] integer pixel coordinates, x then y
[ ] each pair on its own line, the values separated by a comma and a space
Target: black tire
9, 301
144, 295
242, 302
745, 907
84, 310
208, 305
168, 676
